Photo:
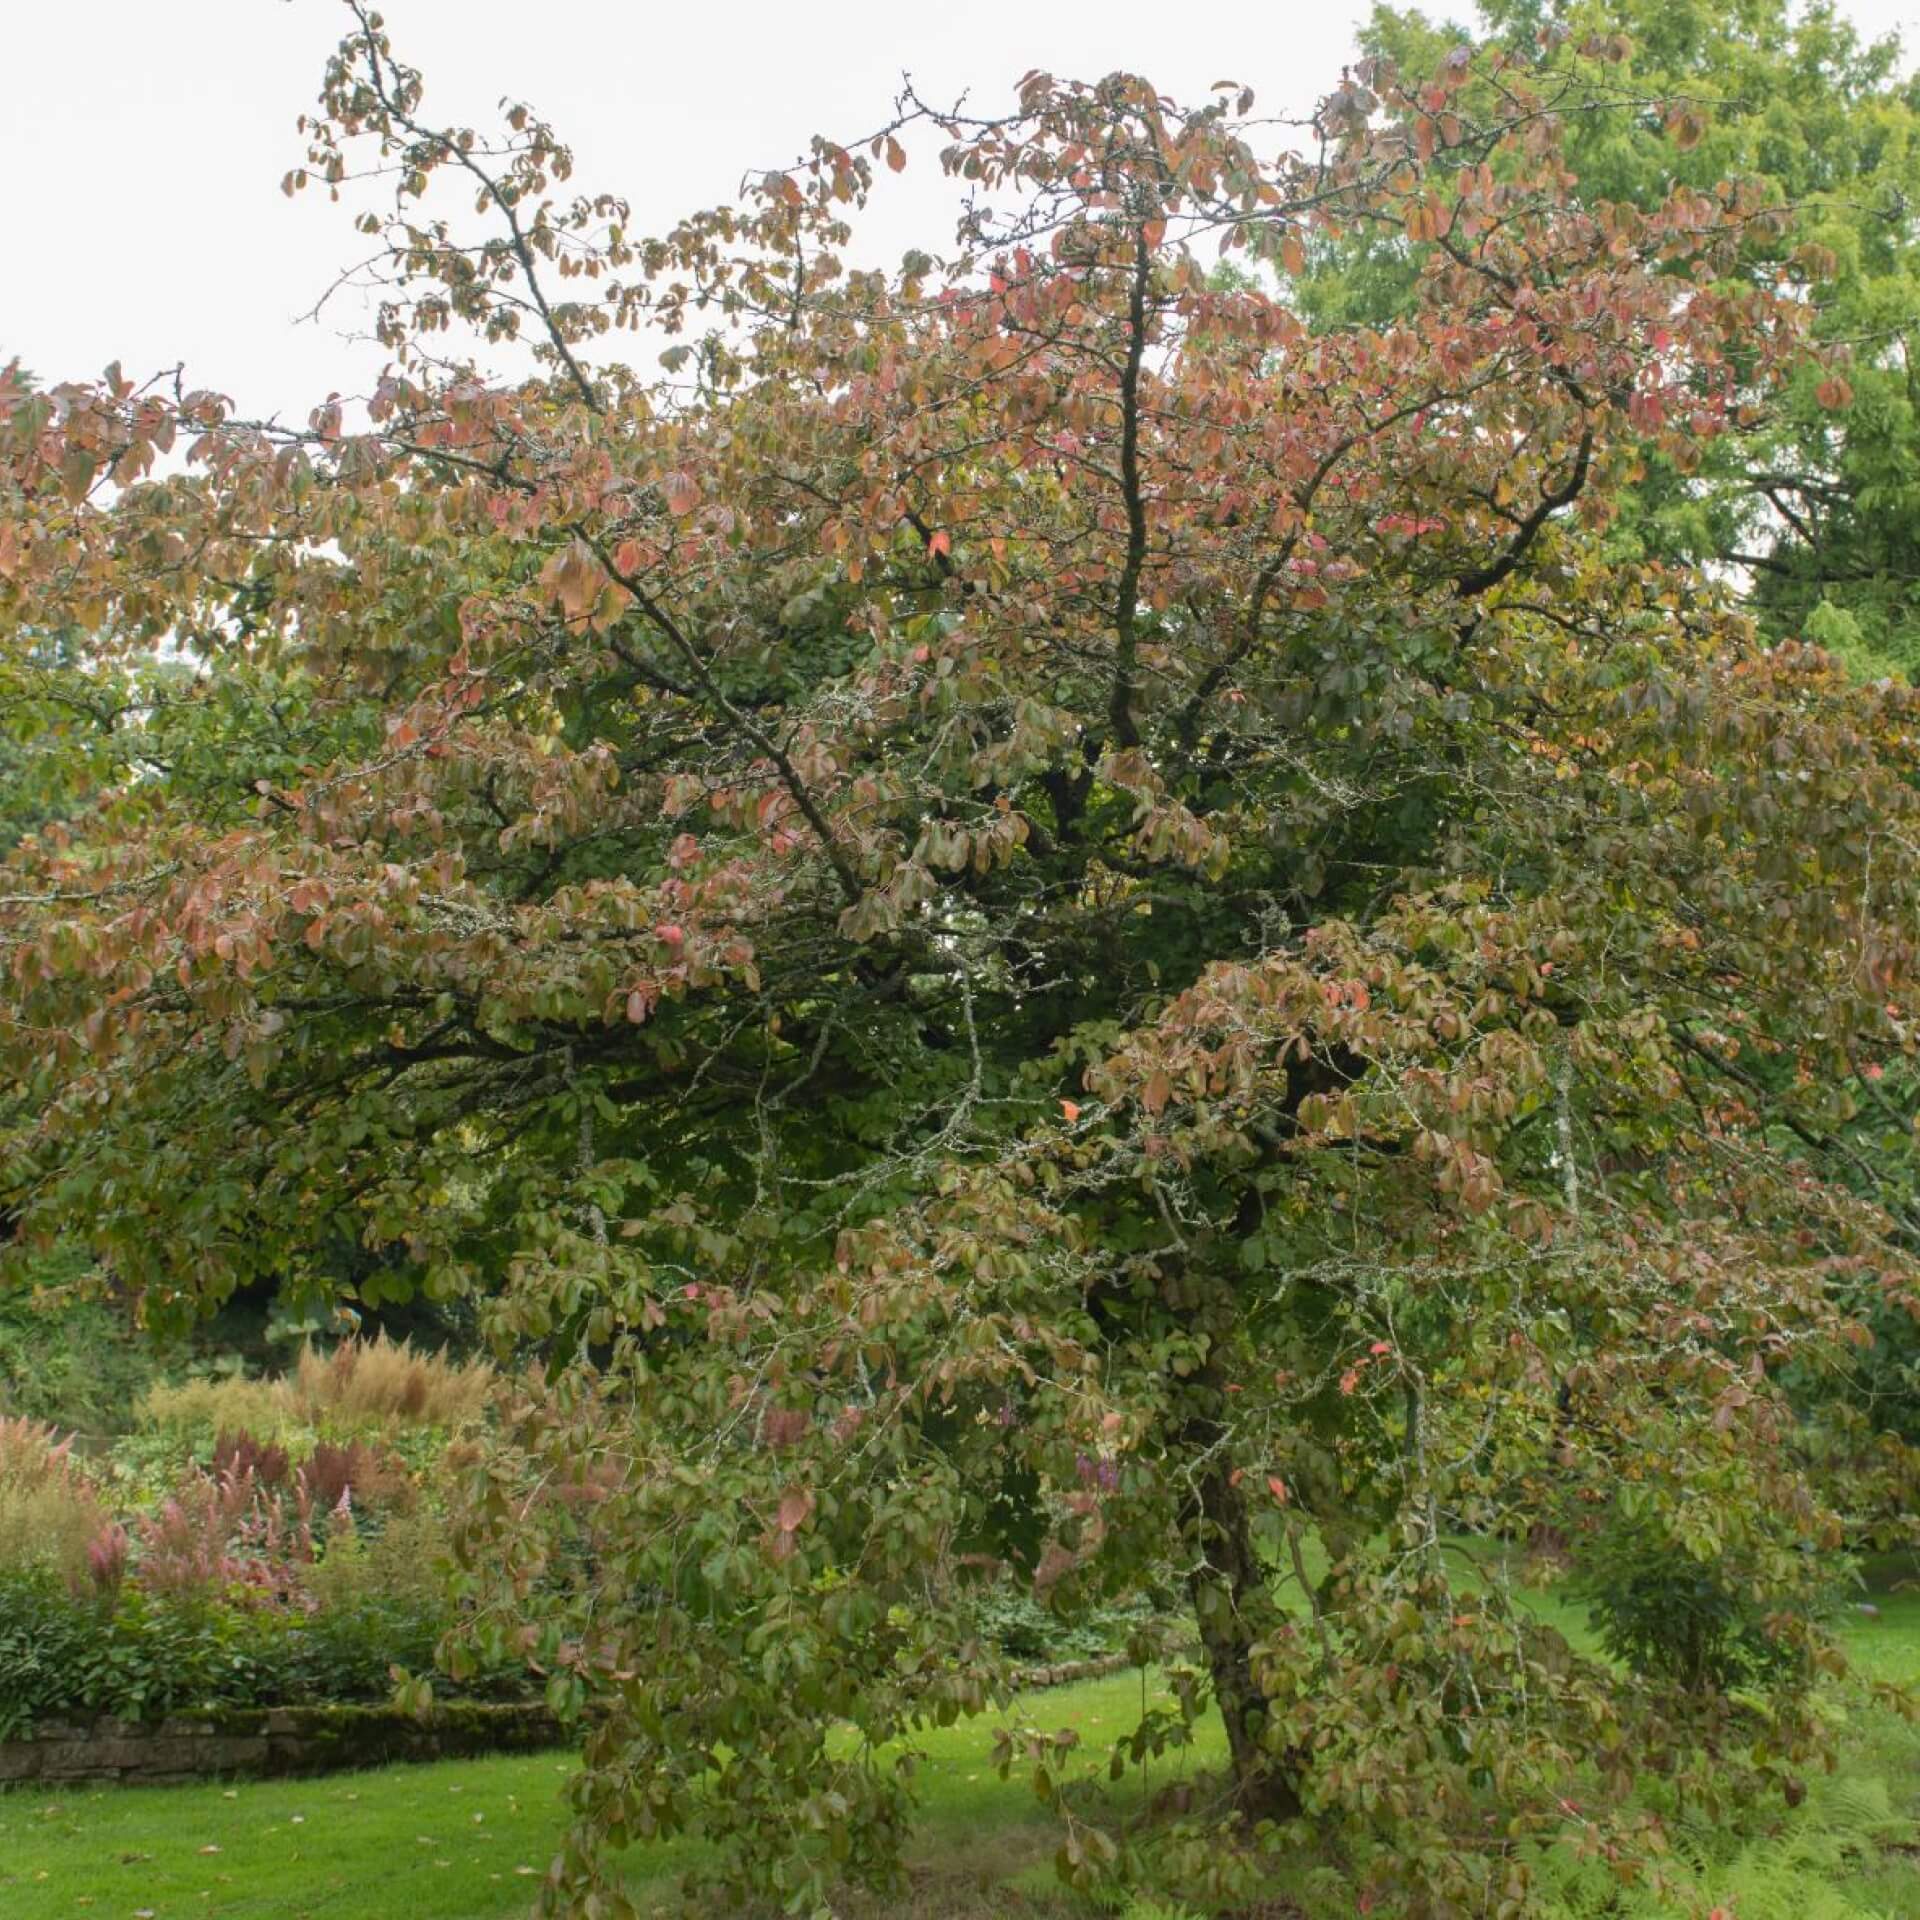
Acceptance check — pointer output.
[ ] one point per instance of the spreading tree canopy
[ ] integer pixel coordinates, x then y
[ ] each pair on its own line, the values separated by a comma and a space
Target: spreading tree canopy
1021, 913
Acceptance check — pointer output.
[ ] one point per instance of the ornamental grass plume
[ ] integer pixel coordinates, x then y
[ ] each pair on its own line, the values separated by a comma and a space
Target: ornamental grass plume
50, 1511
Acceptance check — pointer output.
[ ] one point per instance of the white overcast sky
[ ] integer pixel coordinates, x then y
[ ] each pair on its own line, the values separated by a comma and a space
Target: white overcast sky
145, 140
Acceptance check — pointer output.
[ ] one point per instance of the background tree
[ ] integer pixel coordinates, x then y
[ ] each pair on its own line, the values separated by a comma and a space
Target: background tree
1024, 911
1817, 509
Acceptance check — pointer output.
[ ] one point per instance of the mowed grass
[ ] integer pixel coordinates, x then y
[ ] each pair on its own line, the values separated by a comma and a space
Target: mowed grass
435, 1843
468, 1840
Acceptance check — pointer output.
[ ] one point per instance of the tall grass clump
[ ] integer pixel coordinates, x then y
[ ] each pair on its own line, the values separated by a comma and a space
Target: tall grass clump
384, 1379
50, 1514
358, 1386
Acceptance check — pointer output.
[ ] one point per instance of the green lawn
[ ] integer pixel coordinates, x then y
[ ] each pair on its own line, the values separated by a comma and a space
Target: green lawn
466, 1840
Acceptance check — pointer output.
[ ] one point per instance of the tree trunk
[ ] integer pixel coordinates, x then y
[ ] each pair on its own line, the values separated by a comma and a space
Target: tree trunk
1231, 1597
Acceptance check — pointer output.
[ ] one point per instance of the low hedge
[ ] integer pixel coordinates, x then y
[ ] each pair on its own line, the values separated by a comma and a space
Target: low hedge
146, 1656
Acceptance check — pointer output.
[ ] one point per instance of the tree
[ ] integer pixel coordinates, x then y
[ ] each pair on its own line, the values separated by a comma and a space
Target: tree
1817, 510
1023, 913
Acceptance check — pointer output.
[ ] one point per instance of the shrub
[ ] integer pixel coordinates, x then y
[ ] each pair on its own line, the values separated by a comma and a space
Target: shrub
107, 1554
31, 1451
402, 1561
44, 1638
68, 1356
220, 1535
50, 1514
147, 1655
1008, 1615
355, 1473
1701, 1620
62, 1657
242, 1453
205, 1409
349, 1652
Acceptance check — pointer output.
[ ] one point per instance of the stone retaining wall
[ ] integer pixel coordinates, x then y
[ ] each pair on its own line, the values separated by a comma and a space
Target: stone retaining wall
270, 1741
282, 1741
1067, 1672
